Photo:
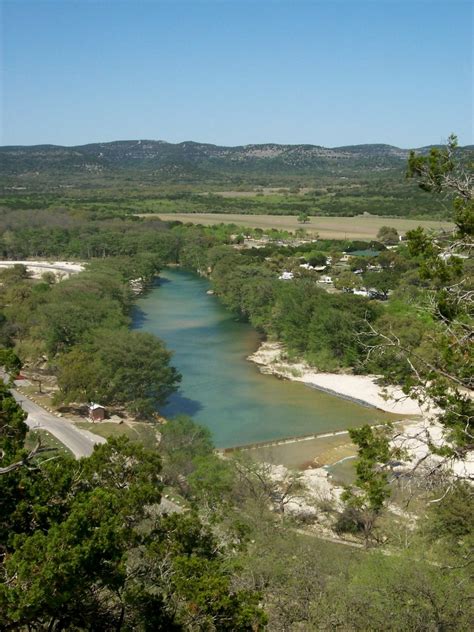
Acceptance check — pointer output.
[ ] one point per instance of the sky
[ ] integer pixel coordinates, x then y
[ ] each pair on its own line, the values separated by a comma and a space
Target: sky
234, 72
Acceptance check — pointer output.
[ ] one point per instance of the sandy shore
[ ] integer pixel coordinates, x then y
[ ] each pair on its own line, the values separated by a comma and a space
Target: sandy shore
415, 437
362, 389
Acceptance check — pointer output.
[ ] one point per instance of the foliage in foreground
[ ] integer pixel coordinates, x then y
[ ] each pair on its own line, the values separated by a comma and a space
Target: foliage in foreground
84, 546
438, 368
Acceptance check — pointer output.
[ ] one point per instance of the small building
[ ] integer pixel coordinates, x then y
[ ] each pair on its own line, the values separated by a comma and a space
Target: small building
286, 276
325, 279
97, 412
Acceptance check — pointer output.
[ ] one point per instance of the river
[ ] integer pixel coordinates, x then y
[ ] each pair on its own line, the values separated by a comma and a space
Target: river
220, 388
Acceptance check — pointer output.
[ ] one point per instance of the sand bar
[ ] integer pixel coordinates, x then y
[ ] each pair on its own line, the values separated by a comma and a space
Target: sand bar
362, 389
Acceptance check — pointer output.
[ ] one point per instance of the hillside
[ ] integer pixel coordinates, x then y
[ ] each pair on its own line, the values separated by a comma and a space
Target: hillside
144, 176
144, 155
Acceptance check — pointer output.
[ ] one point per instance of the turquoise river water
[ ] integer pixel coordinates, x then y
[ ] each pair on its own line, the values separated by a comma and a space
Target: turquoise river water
220, 388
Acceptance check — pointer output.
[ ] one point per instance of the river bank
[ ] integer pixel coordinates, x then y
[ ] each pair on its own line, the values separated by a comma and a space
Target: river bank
416, 435
220, 389
360, 389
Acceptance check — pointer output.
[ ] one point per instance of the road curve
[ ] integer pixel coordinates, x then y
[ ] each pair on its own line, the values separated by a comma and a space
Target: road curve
80, 442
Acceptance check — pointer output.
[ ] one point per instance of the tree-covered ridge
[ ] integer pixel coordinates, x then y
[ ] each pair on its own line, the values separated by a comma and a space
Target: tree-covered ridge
154, 176
154, 153
142, 154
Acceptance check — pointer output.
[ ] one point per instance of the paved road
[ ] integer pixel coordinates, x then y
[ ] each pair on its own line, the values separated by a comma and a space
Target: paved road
80, 442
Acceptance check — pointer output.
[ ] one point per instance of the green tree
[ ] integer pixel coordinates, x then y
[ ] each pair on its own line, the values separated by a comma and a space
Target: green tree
184, 574
431, 344
13, 275
449, 524
315, 258
392, 593
446, 377
80, 376
84, 546
10, 361
183, 441
388, 235
347, 281
12, 428
447, 171
120, 367
382, 281
211, 481
366, 499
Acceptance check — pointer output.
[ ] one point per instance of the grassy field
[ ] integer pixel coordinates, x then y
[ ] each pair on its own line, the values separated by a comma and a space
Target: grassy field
361, 227
47, 441
138, 431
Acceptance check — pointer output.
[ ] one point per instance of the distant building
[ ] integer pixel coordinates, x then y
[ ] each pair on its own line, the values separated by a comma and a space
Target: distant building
325, 279
307, 266
97, 412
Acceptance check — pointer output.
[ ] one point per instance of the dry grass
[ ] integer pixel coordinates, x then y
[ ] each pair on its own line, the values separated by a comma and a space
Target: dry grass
361, 227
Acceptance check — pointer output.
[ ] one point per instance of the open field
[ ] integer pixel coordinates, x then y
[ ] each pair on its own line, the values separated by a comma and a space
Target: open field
142, 432
361, 227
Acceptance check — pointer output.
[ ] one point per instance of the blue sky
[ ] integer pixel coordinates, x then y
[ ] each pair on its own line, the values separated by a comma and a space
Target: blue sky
236, 72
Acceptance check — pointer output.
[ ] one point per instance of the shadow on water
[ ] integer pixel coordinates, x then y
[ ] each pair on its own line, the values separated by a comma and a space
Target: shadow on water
161, 281
178, 404
139, 318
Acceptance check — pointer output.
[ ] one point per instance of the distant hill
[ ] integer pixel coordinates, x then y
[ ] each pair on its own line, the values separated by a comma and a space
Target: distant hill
135, 176
198, 158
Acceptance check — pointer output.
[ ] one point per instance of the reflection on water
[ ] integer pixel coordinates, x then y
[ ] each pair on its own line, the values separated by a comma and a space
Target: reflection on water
220, 388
